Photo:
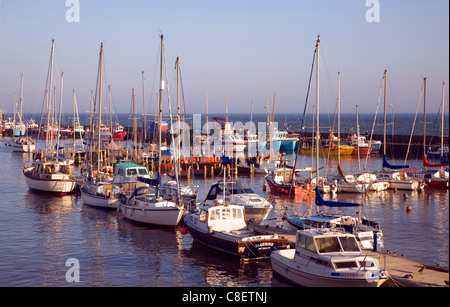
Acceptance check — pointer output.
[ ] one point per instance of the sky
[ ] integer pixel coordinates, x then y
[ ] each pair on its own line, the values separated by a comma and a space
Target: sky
247, 50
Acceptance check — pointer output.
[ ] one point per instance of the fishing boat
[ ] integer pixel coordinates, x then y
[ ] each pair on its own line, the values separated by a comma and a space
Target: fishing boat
224, 228
360, 145
368, 233
254, 144
23, 144
327, 258
256, 207
333, 149
230, 142
280, 180
284, 141
118, 132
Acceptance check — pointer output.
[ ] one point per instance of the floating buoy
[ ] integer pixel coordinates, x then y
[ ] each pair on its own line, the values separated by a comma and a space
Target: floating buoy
408, 208
405, 196
184, 230
264, 188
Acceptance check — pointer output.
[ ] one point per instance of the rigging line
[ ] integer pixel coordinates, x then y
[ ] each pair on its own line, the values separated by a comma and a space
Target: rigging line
171, 125
300, 143
330, 137
184, 112
414, 123
436, 121
329, 81
374, 122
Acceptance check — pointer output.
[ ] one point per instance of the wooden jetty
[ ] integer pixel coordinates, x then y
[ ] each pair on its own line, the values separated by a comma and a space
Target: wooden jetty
404, 272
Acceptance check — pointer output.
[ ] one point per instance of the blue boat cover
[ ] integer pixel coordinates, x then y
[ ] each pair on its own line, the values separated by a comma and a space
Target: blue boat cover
321, 202
387, 165
150, 181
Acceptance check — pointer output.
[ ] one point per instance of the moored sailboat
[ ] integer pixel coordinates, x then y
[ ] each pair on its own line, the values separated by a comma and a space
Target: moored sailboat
50, 174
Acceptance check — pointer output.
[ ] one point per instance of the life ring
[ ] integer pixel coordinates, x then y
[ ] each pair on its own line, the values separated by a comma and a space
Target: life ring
320, 182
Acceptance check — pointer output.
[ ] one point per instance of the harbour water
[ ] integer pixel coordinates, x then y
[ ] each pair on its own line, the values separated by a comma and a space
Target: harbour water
39, 233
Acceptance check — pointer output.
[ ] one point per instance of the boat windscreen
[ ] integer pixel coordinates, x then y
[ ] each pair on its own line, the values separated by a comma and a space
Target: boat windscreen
349, 244
237, 191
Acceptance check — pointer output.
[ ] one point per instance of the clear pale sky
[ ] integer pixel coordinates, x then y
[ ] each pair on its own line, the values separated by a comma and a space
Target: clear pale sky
245, 49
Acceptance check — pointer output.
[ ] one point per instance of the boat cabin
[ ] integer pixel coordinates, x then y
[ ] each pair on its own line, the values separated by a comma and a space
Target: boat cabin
322, 241
126, 172
218, 190
224, 218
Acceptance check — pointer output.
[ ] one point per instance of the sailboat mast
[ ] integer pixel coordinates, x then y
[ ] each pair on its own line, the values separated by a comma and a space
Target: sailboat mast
135, 127
442, 120
60, 110
317, 113
143, 109
161, 87
100, 109
49, 97
425, 117
384, 116
339, 117
20, 103
177, 67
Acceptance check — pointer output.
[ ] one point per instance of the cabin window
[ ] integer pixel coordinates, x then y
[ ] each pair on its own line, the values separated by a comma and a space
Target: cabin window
212, 194
121, 172
366, 264
143, 171
132, 172
237, 213
221, 192
301, 241
214, 215
202, 216
309, 244
349, 244
226, 213
328, 245
345, 264
323, 262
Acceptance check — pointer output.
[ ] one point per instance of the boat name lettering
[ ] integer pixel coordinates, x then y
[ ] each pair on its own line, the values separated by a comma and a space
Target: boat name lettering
262, 244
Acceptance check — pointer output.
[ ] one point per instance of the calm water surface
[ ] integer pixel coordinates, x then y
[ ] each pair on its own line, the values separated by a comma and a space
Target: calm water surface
38, 233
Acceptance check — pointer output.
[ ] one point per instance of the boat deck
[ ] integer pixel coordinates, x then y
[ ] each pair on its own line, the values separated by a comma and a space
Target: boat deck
404, 272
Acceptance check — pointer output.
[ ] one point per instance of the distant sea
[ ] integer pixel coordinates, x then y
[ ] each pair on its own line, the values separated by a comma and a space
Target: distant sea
398, 124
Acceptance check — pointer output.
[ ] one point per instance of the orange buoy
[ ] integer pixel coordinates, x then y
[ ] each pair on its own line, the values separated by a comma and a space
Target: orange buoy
408, 208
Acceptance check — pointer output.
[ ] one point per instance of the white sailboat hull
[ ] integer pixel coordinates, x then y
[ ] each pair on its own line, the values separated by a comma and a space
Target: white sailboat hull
98, 200
23, 147
353, 187
59, 185
165, 216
